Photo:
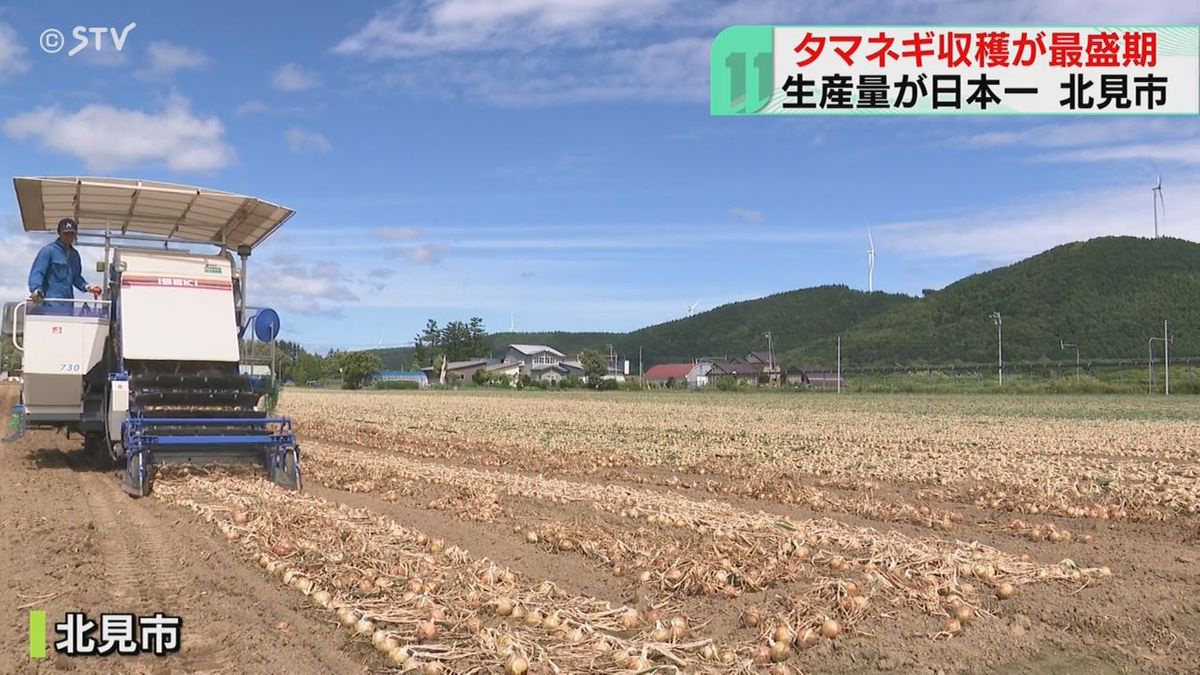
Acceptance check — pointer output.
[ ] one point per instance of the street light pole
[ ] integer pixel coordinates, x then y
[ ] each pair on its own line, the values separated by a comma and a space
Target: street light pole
1166, 359
839, 364
1166, 340
999, 345
1064, 345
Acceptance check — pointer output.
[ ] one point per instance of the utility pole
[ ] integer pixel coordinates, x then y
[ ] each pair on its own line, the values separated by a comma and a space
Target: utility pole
641, 379
1166, 340
1150, 366
1166, 359
839, 364
999, 345
1064, 345
770, 353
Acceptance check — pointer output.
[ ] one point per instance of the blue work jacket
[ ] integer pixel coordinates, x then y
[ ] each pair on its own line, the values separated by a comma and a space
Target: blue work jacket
57, 269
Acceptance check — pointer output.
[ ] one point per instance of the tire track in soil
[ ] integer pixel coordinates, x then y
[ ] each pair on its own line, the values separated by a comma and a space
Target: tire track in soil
71, 540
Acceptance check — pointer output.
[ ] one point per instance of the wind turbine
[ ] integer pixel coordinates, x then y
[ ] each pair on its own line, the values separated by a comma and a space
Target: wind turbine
1158, 200
870, 262
380, 337
692, 307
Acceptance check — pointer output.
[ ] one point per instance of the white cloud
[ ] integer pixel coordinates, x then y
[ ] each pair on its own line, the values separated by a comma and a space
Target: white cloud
1164, 152
167, 58
292, 78
649, 50
1004, 235
17, 251
318, 287
12, 53
427, 254
443, 26
301, 142
1068, 134
746, 215
106, 138
401, 233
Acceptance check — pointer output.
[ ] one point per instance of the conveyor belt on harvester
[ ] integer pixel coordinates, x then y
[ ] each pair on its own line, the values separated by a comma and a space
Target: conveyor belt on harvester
201, 418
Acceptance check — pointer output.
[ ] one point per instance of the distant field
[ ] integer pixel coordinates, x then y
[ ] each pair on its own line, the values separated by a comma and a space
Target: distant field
819, 533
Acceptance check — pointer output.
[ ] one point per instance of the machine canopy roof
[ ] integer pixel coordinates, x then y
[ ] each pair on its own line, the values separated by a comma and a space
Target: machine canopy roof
176, 212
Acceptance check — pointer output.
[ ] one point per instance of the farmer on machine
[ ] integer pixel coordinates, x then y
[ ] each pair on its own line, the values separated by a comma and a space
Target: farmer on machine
57, 271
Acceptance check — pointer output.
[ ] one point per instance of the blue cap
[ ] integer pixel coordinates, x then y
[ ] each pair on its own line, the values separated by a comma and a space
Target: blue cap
67, 225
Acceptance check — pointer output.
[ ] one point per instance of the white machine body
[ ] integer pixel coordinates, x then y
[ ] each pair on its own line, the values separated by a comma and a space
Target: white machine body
59, 350
176, 306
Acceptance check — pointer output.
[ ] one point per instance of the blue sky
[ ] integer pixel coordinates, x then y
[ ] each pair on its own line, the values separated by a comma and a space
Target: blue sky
554, 163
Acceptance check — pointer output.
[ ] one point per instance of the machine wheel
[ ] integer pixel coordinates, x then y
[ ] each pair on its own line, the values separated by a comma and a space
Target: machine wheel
291, 466
96, 447
137, 479
283, 468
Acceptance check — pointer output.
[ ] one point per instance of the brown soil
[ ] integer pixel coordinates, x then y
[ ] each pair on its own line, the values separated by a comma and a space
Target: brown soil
1146, 618
73, 541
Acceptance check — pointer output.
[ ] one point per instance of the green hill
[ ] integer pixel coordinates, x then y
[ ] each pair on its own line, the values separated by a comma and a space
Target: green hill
1108, 295
794, 318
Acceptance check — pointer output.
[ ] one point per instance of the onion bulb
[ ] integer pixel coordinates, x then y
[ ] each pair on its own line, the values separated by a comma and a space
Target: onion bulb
762, 655
364, 626
782, 634
808, 638
629, 619
1005, 591
322, 598
427, 631
830, 629
240, 517
952, 626
504, 607
659, 633
531, 537
347, 616
433, 668
780, 652
516, 665
751, 618
399, 656
964, 614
